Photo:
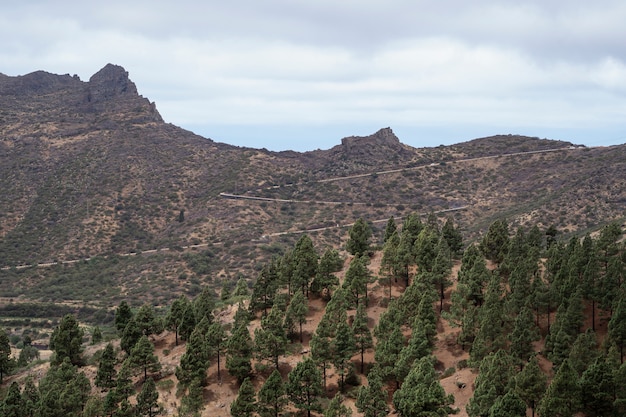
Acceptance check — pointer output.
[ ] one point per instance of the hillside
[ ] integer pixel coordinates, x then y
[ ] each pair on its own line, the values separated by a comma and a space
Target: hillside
90, 172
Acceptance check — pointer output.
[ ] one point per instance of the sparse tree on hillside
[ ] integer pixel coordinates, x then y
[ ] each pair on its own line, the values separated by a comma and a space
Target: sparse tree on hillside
148, 400
105, 377
142, 356
272, 397
343, 347
271, 339
195, 361
390, 229
66, 341
216, 342
6, 363
336, 408
495, 244
372, 399
530, 384
362, 335
123, 314
245, 403
421, 394
360, 234
175, 315
297, 310
304, 386
562, 398
239, 347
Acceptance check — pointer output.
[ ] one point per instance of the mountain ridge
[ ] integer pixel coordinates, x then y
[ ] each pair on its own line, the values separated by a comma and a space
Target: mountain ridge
90, 168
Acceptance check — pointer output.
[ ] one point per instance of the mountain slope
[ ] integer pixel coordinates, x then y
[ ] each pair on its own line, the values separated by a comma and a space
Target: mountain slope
90, 169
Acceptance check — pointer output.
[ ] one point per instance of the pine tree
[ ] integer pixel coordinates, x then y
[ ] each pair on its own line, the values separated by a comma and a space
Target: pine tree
321, 348
359, 237
584, 352
597, 387
245, 403
418, 347
130, 336
524, 333
421, 394
343, 348
147, 320
142, 357
325, 280
336, 408
195, 361
174, 316
390, 269
304, 387
495, 244
530, 384
297, 310
96, 335
64, 391
216, 342
192, 403
203, 305
387, 353
495, 377
187, 322
265, 287
442, 267
562, 398
452, 236
305, 260
617, 327
6, 362
148, 400
239, 347
270, 339
66, 341
272, 398
123, 314
13, 403
372, 399
509, 405
124, 387
31, 397
362, 335
390, 229
105, 377
356, 279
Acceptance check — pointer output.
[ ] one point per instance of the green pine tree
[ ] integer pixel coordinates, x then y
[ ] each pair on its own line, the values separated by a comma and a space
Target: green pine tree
530, 384
362, 335
66, 341
245, 403
372, 399
105, 377
359, 238
6, 362
142, 357
304, 387
421, 394
272, 397
148, 400
336, 408
562, 398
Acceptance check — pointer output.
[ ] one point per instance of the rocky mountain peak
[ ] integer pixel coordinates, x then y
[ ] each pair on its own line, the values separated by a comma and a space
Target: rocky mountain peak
109, 82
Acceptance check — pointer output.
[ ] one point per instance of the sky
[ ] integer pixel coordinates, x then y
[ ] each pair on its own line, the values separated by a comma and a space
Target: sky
301, 75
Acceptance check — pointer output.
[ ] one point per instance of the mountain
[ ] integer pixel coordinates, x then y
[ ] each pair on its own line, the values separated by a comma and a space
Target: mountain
90, 172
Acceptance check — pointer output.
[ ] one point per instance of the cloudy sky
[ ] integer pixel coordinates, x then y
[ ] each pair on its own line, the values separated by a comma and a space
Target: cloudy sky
292, 74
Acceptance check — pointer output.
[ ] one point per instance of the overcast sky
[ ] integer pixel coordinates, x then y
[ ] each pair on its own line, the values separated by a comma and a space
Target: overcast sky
291, 74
